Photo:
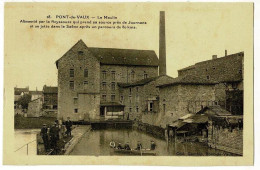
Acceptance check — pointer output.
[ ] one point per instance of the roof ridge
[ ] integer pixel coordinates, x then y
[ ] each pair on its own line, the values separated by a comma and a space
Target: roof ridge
121, 49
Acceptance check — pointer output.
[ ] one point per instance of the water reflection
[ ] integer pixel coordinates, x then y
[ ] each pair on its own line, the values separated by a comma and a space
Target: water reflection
97, 142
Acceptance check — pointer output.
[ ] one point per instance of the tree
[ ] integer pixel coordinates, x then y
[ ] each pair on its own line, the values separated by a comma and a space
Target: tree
24, 101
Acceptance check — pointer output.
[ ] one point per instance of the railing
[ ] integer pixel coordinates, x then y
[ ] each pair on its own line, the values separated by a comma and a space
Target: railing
27, 147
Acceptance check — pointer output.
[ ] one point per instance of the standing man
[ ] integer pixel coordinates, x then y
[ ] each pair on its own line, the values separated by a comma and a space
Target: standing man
171, 134
153, 145
44, 135
139, 146
54, 135
68, 125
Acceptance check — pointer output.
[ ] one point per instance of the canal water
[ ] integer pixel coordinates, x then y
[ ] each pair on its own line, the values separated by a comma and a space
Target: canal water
96, 143
22, 138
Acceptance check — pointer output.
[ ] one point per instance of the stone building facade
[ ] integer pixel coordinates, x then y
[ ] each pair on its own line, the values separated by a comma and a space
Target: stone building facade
35, 108
184, 95
88, 79
228, 72
50, 97
35, 94
141, 98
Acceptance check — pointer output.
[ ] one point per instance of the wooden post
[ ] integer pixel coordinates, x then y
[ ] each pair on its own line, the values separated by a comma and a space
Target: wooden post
175, 140
27, 149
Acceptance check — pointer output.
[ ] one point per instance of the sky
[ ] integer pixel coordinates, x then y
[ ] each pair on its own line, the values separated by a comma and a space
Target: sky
194, 32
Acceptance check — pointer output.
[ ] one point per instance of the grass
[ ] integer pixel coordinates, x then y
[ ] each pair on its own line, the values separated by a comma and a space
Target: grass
21, 122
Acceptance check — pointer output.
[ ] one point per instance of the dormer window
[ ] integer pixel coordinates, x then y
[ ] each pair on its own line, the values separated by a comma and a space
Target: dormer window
80, 52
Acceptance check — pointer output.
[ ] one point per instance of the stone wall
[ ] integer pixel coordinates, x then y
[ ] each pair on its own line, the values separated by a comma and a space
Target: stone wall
35, 108
228, 68
50, 100
140, 97
123, 74
227, 139
179, 100
80, 102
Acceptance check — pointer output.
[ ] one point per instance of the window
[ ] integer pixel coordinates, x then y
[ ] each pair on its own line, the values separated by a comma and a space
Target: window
104, 75
214, 67
75, 110
113, 97
130, 91
80, 52
206, 69
137, 89
113, 86
113, 75
130, 109
72, 85
132, 75
85, 84
137, 98
104, 86
150, 106
104, 97
145, 75
137, 108
164, 108
121, 98
71, 72
234, 85
130, 99
208, 77
85, 72
75, 100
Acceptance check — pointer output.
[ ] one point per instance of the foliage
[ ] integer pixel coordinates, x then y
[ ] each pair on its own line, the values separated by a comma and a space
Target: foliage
21, 122
24, 101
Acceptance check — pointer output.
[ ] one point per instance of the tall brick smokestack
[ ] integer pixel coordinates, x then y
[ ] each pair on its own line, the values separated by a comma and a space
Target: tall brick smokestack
162, 45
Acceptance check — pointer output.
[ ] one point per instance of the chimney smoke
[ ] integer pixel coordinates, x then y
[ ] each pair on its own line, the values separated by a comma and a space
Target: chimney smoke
162, 45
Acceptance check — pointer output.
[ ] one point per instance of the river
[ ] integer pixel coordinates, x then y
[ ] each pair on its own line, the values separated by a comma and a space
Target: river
96, 142
22, 138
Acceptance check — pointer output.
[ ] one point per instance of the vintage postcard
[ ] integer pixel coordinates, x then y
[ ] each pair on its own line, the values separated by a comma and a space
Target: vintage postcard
128, 83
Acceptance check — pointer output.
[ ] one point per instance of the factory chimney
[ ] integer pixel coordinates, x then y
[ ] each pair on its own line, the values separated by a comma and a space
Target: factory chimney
162, 45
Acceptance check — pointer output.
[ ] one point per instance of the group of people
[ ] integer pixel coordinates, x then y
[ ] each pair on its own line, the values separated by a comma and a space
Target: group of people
52, 135
127, 146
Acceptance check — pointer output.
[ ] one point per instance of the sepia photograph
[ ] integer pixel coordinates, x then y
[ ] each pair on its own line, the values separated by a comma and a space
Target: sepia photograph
132, 81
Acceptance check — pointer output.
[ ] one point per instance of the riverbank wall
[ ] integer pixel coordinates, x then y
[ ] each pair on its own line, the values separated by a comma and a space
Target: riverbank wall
155, 131
77, 134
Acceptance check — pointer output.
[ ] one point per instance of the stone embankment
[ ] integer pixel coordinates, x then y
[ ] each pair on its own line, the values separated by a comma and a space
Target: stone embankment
77, 133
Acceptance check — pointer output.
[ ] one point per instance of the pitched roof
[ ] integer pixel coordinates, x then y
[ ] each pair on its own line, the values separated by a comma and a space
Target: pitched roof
144, 81
216, 111
137, 83
35, 92
187, 68
18, 91
49, 89
222, 69
188, 79
114, 56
